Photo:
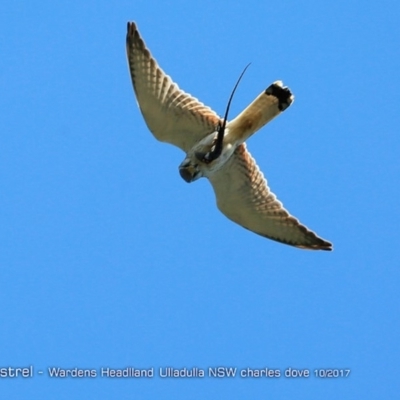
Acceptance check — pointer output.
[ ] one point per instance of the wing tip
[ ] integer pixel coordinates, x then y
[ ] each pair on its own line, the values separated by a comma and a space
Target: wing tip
132, 33
131, 28
308, 241
318, 244
327, 246
311, 241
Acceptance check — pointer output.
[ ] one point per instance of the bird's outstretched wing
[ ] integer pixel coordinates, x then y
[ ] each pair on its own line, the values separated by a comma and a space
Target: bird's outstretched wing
244, 197
172, 115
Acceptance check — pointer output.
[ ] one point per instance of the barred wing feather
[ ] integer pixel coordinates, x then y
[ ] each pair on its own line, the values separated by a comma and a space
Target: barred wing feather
244, 197
172, 115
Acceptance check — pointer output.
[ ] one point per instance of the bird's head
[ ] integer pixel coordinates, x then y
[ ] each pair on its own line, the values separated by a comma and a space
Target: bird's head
189, 170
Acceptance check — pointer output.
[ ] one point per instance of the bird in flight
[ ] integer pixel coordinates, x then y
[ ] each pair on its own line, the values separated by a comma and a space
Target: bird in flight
216, 148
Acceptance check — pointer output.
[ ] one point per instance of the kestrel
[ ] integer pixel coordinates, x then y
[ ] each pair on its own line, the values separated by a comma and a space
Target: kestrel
215, 148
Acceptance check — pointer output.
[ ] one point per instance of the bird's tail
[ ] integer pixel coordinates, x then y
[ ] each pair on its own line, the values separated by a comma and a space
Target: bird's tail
270, 103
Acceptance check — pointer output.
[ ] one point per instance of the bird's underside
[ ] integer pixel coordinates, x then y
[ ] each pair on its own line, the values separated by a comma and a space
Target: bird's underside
216, 148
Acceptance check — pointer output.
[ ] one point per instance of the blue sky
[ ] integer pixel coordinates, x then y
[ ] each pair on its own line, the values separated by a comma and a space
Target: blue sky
109, 259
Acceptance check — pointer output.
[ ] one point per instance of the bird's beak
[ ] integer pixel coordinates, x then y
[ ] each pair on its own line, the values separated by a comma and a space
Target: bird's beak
188, 172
